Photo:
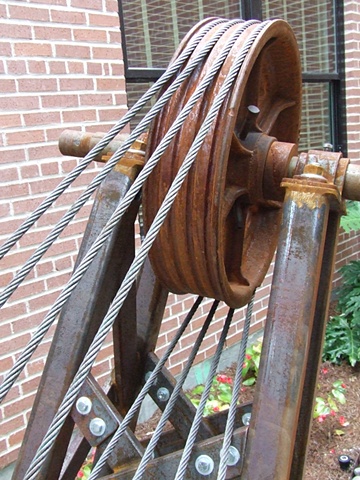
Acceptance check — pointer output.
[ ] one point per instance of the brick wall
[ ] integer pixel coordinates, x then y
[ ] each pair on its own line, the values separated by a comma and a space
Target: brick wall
61, 67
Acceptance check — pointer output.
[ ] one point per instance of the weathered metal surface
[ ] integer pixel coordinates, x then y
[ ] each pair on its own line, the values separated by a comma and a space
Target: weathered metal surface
288, 330
221, 234
78, 144
184, 411
78, 324
315, 349
164, 468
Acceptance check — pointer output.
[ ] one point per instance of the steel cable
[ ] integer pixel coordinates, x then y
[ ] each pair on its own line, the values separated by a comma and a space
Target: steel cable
148, 455
66, 182
84, 197
138, 262
168, 409
115, 218
230, 422
184, 461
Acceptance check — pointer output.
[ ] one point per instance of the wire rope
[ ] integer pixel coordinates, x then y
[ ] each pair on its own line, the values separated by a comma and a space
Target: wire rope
66, 182
148, 455
230, 422
113, 221
95, 182
137, 264
184, 461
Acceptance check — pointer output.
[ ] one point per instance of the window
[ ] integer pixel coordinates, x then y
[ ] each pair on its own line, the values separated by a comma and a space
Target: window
151, 30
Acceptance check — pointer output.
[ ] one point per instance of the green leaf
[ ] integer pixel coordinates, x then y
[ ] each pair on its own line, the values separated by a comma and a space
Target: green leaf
250, 381
339, 432
198, 390
225, 397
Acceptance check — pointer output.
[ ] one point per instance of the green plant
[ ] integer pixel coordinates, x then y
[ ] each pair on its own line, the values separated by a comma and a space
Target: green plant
329, 407
251, 363
219, 397
351, 221
342, 338
84, 472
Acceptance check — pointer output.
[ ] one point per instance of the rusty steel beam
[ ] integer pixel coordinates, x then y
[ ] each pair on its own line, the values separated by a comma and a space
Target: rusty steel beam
288, 329
78, 323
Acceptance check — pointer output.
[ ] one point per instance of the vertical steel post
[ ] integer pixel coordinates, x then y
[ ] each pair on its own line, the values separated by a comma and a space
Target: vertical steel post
288, 330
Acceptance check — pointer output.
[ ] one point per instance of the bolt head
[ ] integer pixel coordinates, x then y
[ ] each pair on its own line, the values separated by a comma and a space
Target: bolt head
97, 427
204, 465
233, 457
246, 419
83, 405
163, 394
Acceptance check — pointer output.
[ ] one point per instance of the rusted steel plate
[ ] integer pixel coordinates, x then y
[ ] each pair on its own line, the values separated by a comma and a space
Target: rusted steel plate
221, 233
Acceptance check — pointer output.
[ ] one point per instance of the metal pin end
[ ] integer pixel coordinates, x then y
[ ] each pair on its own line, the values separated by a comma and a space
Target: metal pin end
233, 456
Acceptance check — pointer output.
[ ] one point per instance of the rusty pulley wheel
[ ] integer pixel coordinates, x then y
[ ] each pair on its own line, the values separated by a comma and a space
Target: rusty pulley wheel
221, 233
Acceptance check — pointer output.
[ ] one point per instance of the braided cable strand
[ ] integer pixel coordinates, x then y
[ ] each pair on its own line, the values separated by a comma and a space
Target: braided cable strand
135, 267
84, 197
230, 423
148, 455
184, 461
115, 218
66, 182
168, 409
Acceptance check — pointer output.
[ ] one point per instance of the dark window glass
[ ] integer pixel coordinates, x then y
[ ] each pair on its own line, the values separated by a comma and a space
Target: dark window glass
313, 24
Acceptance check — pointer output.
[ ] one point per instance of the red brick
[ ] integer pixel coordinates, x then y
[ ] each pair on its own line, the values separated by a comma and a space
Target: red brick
106, 53
13, 155
43, 186
25, 137
115, 37
11, 191
54, 133
8, 457
117, 69
10, 120
36, 84
101, 20
11, 424
2, 66
16, 67
59, 100
17, 343
5, 49
90, 35
41, 118
7, 86
69, 17
87, 115
90, 4
112, 84
36, 66
40, 302
25, 12
72, 51
93, 68
96, 99
57, 67
29, 171
76, 84
22, 102
76, 67
12, 30
52, 33
53, 2
112, 6
34, 367
50, 168
43, 151
33, 49
9, 174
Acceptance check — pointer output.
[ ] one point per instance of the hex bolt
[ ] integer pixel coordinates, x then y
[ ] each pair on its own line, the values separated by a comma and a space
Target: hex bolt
83, 405
163, 394
204, 465
328, 147
246, 419
233, 457
97, 427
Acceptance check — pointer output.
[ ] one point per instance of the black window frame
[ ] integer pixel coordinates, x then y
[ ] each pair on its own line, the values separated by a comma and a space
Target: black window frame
335, 80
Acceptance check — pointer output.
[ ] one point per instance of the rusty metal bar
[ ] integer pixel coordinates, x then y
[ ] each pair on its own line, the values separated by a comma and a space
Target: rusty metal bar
316, 346
277, 401
77, 325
